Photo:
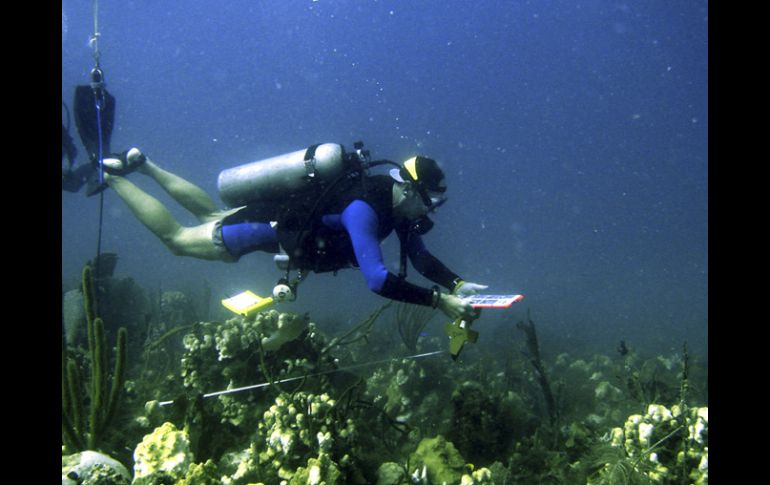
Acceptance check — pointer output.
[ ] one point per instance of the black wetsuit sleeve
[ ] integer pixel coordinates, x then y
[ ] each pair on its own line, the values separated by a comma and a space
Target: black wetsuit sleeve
428, 265
399, 289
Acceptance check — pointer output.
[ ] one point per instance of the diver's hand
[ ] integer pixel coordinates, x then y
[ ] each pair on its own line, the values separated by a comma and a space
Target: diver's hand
455, 307
466, 288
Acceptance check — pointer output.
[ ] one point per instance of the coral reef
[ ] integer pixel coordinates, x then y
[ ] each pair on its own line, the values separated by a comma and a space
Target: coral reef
665, 445
397, 386
295, 442
321, 470
592, 388
409, 392
269, 348
234, 343
201, 474
294, 405
271, 329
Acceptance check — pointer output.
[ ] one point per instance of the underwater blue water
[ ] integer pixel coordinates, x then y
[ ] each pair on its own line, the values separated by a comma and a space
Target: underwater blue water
573, 135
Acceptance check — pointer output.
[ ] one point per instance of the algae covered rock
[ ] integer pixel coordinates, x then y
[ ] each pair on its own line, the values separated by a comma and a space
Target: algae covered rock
163, 454
440, 460
91, 467
391, 473
484, 424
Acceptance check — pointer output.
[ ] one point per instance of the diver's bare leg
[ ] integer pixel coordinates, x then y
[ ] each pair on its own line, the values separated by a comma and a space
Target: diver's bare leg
194, 241
189, 195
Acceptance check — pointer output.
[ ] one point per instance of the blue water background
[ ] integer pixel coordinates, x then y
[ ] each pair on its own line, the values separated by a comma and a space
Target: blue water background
573, 135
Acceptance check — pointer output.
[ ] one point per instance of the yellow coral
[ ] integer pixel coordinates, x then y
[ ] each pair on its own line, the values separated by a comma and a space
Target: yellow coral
166, 449
482, 476
659, 413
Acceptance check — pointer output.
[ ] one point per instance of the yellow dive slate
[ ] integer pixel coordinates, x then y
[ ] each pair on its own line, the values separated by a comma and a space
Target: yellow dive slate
247, 303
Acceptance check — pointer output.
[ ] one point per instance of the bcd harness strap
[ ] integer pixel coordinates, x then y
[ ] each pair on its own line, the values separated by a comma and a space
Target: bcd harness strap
402, 257
310, 169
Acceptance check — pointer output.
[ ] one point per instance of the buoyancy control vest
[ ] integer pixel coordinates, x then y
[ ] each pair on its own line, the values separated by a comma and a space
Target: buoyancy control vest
314, 246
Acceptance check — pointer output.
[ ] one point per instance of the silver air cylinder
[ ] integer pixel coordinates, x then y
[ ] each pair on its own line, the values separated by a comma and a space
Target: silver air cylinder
278, 177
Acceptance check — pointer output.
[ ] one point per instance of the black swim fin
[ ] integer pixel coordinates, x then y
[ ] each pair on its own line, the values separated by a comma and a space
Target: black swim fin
85, 119
68, 148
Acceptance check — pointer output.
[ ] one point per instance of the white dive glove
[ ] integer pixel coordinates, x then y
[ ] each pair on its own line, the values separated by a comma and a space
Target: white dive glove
466, 288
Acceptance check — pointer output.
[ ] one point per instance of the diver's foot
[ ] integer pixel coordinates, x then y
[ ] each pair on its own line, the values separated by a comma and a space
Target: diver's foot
125, 163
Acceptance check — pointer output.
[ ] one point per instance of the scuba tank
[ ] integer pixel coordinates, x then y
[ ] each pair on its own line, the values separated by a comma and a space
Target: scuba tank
284, 176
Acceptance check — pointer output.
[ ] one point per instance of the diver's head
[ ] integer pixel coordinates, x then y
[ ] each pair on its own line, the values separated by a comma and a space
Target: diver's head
420, 188
426, 177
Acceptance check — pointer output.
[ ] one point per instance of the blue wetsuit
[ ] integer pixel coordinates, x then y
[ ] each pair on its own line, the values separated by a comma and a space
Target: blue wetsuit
356, 226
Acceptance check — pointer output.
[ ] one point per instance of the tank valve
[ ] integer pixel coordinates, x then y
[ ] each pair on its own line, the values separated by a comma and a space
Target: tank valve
363, 155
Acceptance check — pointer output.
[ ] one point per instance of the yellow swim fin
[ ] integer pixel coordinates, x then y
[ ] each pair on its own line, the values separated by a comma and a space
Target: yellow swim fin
459, 332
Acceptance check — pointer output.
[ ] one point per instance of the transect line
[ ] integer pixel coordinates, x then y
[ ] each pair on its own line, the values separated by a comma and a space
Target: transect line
290, 379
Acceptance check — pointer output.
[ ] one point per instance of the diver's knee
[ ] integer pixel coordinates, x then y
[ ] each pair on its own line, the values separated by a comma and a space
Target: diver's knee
183, 246
176, 250
176, 243
174, 246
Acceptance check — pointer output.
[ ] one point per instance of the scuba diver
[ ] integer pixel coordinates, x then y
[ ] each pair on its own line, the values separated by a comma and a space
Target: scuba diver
341, 228
91, 132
